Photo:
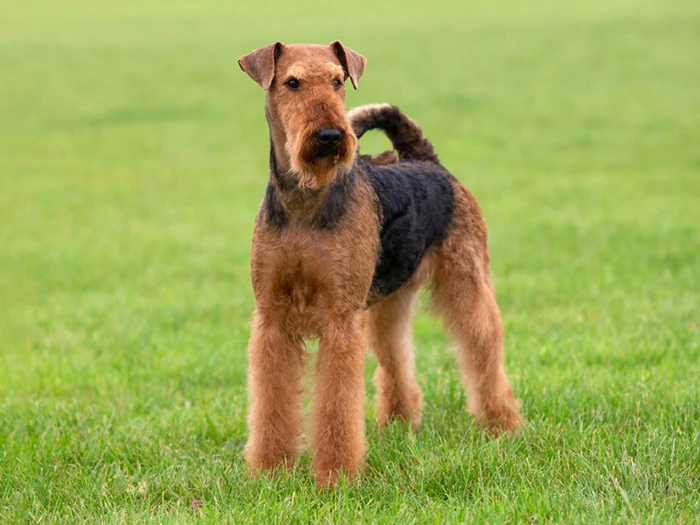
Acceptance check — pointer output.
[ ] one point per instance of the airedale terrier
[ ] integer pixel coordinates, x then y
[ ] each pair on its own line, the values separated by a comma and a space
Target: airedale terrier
341, 247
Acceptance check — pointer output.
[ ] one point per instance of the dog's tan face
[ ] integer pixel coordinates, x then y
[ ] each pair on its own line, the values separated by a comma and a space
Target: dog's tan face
305, 86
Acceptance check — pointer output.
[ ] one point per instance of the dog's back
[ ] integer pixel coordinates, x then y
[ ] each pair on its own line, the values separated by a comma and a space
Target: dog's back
416, 206
415, 194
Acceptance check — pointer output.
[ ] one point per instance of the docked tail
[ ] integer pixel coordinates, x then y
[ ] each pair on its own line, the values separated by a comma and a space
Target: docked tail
405, 135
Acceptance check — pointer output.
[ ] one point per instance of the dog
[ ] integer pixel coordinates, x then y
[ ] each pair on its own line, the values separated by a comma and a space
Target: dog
341, 246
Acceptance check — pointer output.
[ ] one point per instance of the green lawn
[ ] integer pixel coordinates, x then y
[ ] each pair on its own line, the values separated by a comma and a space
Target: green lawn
133, 157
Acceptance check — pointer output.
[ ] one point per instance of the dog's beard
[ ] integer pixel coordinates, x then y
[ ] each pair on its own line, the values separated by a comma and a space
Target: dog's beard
316, 166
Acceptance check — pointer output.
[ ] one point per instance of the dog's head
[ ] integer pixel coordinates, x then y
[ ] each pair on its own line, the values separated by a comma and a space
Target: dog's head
305, 86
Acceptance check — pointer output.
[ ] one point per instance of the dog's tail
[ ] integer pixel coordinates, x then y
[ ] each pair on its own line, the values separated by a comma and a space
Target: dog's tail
405, 135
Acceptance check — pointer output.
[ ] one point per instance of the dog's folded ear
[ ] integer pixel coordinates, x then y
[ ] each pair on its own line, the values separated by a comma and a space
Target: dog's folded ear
260, 64
353, 62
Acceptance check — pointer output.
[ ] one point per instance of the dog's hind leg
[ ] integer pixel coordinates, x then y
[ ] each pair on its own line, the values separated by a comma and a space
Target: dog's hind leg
463, 295
389, 334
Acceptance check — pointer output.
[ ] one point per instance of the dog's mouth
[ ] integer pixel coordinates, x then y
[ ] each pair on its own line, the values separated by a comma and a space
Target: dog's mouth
317, 163
333, 158
329, 155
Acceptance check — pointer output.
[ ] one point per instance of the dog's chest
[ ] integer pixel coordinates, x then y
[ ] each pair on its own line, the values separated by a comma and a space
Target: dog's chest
303, 274
310, 274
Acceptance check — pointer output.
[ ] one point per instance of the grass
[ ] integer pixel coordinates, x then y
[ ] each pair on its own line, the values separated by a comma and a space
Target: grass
133, 157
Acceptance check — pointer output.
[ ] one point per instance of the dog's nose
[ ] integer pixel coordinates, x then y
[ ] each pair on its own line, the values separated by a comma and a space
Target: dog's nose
329, 137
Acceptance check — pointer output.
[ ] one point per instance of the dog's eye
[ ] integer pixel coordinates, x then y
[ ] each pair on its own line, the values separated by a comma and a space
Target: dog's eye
336, 84
292, 83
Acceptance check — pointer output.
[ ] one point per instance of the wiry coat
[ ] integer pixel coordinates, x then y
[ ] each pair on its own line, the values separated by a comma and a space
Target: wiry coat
341, 245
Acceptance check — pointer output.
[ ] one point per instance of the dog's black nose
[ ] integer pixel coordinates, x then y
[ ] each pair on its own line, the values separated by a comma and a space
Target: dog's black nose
329, 137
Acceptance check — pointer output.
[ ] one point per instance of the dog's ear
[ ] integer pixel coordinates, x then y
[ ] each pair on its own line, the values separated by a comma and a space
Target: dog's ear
260, 64
353, 62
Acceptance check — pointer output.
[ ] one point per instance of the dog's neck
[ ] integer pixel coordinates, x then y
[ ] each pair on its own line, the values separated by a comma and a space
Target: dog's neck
295, 199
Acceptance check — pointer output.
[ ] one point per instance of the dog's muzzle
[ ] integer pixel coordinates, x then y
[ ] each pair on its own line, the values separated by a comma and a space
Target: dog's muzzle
327, 141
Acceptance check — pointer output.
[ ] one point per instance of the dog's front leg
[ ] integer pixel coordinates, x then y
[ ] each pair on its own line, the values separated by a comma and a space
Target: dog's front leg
338, 421
275, 368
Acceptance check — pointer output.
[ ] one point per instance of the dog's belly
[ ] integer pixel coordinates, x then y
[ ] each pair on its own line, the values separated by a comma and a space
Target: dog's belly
417, 205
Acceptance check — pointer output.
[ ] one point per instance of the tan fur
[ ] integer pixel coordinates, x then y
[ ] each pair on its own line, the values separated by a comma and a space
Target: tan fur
385, 158
463, 295
311, 282
311, 285
293, 119
389, 333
